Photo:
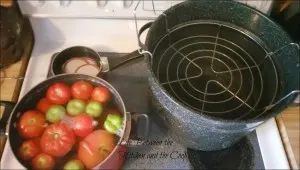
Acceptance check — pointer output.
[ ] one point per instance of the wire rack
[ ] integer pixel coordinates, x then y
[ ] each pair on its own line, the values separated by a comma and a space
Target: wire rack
215, 74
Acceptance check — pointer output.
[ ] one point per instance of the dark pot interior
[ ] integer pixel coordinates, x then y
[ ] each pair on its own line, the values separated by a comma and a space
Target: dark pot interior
61, 58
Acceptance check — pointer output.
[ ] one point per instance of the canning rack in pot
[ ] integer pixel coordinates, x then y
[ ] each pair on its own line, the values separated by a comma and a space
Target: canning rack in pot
217, 69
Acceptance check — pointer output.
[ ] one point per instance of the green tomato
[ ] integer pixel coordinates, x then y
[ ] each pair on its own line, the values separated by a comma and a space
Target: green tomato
73, 165
75, 107
94, 109
113, 123
55, 113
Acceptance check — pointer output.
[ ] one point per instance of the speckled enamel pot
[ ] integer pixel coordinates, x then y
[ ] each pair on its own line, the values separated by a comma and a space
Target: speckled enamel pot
194, 129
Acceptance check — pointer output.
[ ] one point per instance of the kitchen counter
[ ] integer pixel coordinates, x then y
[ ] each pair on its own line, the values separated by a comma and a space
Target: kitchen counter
12, 77
288, 121
288, 124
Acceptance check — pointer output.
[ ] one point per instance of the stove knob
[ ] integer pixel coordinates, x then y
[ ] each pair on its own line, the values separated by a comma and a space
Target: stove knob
119, 3
101, 3
65, 3
128, 3
41, 2
38, 3
124, 3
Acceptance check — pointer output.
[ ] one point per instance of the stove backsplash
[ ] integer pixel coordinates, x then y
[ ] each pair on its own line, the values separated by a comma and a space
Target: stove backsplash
111, 23
110, 35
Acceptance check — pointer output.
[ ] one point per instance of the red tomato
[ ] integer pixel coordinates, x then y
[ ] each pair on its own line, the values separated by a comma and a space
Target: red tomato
101, 94
57, 139
82, 90
43, 105
31, 124
83, 125
95, 148
29, 149
59, 93
43, 161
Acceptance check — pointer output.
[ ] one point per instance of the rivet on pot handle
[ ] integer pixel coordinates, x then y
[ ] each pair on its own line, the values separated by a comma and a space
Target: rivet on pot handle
8, 107
134, 117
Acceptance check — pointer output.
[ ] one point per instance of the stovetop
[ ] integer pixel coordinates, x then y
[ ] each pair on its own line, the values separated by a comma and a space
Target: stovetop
160, 151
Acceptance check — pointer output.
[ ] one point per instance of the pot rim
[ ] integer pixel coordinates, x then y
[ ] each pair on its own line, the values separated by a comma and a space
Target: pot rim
116, 94
200, 115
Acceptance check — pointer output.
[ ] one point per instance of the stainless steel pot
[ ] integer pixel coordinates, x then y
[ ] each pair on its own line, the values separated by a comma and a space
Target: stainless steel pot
13, 111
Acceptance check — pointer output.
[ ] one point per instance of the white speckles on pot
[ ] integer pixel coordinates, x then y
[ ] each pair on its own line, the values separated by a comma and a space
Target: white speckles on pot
195, 130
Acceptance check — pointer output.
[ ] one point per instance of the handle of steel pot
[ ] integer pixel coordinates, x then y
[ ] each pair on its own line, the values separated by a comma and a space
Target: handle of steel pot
132, 128
296, 102
115, 62
144, 27
8, 107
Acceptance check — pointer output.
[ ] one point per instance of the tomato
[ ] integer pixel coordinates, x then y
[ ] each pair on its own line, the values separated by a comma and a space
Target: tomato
82, 90
43, 105
29, 149
75, 107
55, 113
43, 161
57, 140
73, 165
113, 123
94, 108
103, 117
95, 148
83, 125
101, 94
31, 124
59, 93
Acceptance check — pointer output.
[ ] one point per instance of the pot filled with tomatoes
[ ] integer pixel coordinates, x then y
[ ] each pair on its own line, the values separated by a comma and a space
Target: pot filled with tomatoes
70, 121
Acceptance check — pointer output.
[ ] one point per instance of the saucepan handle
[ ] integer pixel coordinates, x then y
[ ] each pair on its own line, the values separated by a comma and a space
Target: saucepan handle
133, 136
114, 62
8, 108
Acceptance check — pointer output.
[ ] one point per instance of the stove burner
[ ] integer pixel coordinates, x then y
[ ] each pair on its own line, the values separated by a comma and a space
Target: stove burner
239, 156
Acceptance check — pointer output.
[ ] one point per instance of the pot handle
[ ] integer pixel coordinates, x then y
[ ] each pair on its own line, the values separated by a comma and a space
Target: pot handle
114, 62
296, 102
110, 63
132, 127
8, 108
144, 27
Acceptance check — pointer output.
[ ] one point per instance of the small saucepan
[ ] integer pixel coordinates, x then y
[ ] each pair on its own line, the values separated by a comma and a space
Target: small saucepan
84, 60
13, 112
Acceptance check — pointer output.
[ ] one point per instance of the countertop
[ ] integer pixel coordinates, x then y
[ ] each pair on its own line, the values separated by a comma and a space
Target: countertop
12, 77
288, 123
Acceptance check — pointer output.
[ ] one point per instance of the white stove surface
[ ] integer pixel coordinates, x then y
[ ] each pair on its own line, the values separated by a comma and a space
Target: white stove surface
54, 35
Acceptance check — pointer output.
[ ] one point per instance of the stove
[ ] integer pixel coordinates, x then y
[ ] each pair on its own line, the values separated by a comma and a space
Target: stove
160, 151
113, 34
